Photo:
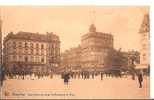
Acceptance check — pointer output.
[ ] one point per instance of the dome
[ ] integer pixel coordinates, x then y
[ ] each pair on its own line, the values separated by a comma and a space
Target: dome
92, 28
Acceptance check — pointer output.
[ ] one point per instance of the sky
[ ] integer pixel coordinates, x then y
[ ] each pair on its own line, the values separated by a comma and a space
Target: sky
72, 22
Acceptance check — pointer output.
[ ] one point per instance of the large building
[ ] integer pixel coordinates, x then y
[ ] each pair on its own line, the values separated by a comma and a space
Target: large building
31, 51
145, 43
90, 54
95, 46
71, 59
0, 42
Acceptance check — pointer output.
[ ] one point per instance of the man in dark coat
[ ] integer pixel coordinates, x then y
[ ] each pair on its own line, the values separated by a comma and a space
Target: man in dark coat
102, 75
66, 78
140, 79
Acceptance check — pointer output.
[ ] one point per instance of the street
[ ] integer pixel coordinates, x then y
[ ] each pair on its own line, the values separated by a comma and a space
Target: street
124, 88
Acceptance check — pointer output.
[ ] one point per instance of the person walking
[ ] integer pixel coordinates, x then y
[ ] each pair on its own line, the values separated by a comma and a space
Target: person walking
93, 75
140, 79
102, 75
66, 78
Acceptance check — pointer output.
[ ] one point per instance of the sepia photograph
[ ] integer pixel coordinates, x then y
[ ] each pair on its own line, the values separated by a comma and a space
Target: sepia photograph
75, 52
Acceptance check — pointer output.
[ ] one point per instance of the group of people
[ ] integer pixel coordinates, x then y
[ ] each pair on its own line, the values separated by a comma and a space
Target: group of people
65, 75
86, 75
83, 75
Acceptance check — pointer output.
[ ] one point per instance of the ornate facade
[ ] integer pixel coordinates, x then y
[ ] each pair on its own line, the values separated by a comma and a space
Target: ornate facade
32, 51
91, 53
95, 46
145, 42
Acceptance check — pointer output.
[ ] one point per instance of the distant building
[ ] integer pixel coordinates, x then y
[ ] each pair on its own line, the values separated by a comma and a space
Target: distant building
31, 51
71, 59
145, 43
95, 46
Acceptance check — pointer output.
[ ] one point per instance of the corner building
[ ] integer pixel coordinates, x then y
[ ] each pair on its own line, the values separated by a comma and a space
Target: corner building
31, 52
95, 46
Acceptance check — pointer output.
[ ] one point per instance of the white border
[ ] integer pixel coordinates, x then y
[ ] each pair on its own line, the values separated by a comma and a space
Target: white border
76, 2
96, 2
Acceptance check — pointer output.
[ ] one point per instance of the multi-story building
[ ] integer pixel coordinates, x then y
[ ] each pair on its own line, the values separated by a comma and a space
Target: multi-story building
95, 46
145, 43
31, 51
71, 59
0, 42
91, 53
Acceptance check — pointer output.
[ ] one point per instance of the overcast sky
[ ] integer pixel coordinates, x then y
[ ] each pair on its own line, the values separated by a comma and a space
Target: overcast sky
71, 22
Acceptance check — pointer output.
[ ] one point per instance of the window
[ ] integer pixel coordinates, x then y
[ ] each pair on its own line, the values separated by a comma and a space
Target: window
26, 45
37, 51
31, 45
42, 60
26, 59
32, 58
37, 45
37, 59
14, 58
14, 44
20, 58
42, 46
31, 51
26, 51
20, 44
42, 52
19, 51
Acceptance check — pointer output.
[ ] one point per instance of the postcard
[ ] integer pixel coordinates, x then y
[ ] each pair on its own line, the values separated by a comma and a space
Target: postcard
75, 52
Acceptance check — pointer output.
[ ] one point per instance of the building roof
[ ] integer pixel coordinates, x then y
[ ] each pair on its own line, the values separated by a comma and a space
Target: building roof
93, 33
145, 26
48, 37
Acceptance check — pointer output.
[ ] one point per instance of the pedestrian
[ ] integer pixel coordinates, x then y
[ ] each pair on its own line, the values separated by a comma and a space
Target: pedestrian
66, 78
82, 74
140, 79
102, 75
51, 76
93, 75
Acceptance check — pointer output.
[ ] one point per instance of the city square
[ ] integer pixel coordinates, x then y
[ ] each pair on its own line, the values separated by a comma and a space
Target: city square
109, 87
